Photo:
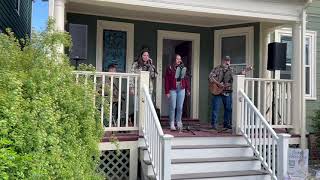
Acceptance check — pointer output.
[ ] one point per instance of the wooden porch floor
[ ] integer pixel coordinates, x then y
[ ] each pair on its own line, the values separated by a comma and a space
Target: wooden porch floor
191, 128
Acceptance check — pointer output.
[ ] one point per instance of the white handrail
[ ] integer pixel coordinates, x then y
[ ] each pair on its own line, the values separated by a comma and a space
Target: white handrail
270, 148
158, 144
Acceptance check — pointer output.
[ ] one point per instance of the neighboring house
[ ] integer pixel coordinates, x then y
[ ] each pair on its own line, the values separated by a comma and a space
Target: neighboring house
16, 14
107, 31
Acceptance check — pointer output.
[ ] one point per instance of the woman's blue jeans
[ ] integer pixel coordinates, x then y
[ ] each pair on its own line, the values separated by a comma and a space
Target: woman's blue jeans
176, 102
227, 103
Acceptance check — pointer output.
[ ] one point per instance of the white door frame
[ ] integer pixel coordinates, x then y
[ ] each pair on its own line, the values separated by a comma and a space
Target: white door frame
117, 26
195, 39
243, 31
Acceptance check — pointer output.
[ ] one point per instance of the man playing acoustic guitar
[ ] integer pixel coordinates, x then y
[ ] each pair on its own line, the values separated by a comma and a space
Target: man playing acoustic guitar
220, 80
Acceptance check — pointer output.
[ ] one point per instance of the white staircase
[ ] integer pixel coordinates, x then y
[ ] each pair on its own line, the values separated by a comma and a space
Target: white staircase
206, 158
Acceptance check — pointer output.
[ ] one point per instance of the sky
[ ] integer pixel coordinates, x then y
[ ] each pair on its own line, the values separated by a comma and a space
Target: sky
39, 15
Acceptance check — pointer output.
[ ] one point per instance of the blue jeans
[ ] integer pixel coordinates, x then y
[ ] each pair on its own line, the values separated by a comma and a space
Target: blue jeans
227, 103
176, 102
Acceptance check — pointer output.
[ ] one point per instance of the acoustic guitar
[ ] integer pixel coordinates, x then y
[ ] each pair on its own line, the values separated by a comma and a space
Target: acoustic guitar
216, 90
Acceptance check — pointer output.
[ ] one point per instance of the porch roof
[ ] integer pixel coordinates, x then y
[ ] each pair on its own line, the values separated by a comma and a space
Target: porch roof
200, 12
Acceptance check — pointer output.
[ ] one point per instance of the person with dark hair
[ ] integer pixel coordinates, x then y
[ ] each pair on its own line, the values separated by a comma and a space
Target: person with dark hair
144, 63
112, 68
176, 85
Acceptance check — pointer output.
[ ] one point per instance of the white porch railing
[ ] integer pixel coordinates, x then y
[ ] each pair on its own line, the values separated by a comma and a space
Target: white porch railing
273, 98
158, 144
114, 89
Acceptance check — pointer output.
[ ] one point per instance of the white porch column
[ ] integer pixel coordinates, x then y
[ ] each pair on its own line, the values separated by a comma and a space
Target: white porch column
303, 138
59, 13
265, 40
296, 74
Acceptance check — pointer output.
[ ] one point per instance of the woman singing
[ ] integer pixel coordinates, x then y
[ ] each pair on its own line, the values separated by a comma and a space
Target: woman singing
176, 85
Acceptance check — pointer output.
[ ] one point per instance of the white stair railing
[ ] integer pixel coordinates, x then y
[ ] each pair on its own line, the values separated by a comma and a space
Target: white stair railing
158, 144
270, 148
273, 98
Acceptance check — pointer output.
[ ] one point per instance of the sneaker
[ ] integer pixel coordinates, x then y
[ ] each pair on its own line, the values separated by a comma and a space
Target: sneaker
179, 126
228, 127
172, 128
214, 127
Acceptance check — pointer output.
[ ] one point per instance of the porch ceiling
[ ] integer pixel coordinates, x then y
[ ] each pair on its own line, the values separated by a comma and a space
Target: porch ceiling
152, 16
205, 13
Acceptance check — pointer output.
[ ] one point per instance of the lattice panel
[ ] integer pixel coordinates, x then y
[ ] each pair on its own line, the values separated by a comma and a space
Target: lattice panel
115, 167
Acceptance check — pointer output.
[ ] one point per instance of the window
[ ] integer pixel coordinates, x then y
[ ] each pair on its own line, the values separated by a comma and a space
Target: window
17, 6
285, 36
237, 43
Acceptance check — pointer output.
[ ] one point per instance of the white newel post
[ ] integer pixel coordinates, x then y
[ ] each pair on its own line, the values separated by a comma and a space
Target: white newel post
144, 81
282, 160
238, 84
166, 156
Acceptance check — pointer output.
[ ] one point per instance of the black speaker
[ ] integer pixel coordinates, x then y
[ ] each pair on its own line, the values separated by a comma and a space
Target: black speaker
277, 55
79, 41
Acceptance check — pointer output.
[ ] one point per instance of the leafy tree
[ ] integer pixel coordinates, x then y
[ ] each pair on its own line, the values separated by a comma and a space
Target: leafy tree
49, 128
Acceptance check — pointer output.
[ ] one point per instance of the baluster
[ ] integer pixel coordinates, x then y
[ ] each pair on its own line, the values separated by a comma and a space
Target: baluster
246, 82
264, 109
119, 101
249, 122
102, 101
273, 157
127, 103
94, 89
289, 122
276, 103
111, 100
77, 78
269, 150
257, 119
259, 96
135, 100
260, 137
283, 104
252, 91
264, 144
245, 117
252, 125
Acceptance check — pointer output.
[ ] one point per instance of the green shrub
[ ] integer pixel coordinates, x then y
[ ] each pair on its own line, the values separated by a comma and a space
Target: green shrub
49, 128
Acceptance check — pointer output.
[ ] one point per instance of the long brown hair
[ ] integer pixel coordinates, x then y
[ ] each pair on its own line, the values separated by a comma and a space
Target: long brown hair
139, 58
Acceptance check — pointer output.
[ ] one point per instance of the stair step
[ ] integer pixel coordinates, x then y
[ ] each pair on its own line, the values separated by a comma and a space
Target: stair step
208, 140
215, 166
210, 146
212, 151
219, 159
254, 174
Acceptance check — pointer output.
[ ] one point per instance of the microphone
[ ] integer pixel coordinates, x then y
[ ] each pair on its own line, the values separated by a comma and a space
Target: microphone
150, 60
152, 66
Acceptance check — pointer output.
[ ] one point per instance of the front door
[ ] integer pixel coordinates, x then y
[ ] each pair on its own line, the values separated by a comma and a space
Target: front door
188, 46
170, 49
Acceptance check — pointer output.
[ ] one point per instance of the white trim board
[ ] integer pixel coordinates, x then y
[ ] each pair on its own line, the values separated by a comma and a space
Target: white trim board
243, 31
195, 38
117, 26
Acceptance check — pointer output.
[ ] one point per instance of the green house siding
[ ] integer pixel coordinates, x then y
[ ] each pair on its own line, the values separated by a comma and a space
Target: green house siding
313, 24
9, 18
145, 34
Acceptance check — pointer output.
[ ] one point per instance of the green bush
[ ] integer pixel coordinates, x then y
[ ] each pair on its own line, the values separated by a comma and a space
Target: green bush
49, 128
